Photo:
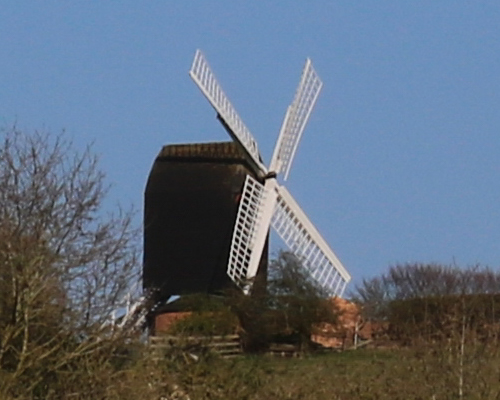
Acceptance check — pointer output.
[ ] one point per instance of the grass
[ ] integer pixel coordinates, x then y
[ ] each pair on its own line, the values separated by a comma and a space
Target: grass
362, 374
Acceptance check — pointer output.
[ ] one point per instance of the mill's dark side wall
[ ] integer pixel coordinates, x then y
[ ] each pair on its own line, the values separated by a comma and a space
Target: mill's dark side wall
190, 206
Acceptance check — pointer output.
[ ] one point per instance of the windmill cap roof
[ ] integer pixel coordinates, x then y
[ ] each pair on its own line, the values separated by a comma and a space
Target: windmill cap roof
226, 151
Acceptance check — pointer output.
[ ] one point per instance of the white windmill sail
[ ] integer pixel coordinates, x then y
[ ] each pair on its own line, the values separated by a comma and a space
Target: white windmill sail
295, 120
300, 235
250, 232
263, 205
204, 78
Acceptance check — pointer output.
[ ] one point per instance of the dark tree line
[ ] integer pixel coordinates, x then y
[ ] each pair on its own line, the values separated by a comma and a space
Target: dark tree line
418, 300
448, 315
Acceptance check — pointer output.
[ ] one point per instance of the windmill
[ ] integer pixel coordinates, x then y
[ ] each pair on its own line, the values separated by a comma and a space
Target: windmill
264, 202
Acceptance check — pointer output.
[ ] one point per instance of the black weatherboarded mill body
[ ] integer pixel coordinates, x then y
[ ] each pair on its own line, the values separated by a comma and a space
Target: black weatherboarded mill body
191, 201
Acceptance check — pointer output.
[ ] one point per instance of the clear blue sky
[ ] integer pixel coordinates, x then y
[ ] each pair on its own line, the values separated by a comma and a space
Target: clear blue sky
399, 162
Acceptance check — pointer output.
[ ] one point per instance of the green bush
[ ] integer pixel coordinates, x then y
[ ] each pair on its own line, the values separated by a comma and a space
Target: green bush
210, 316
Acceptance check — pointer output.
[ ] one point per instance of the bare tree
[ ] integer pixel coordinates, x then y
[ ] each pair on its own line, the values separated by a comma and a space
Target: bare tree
65, 265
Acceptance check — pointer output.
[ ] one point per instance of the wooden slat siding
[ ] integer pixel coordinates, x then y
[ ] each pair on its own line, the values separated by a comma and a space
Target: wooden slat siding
226, 346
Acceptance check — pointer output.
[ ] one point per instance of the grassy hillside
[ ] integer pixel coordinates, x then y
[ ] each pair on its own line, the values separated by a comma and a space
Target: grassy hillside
363, 374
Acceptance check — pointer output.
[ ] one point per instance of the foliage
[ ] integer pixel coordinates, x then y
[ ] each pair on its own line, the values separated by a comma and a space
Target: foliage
422, 281
299, 300
210, 316
288, 310
64, 267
